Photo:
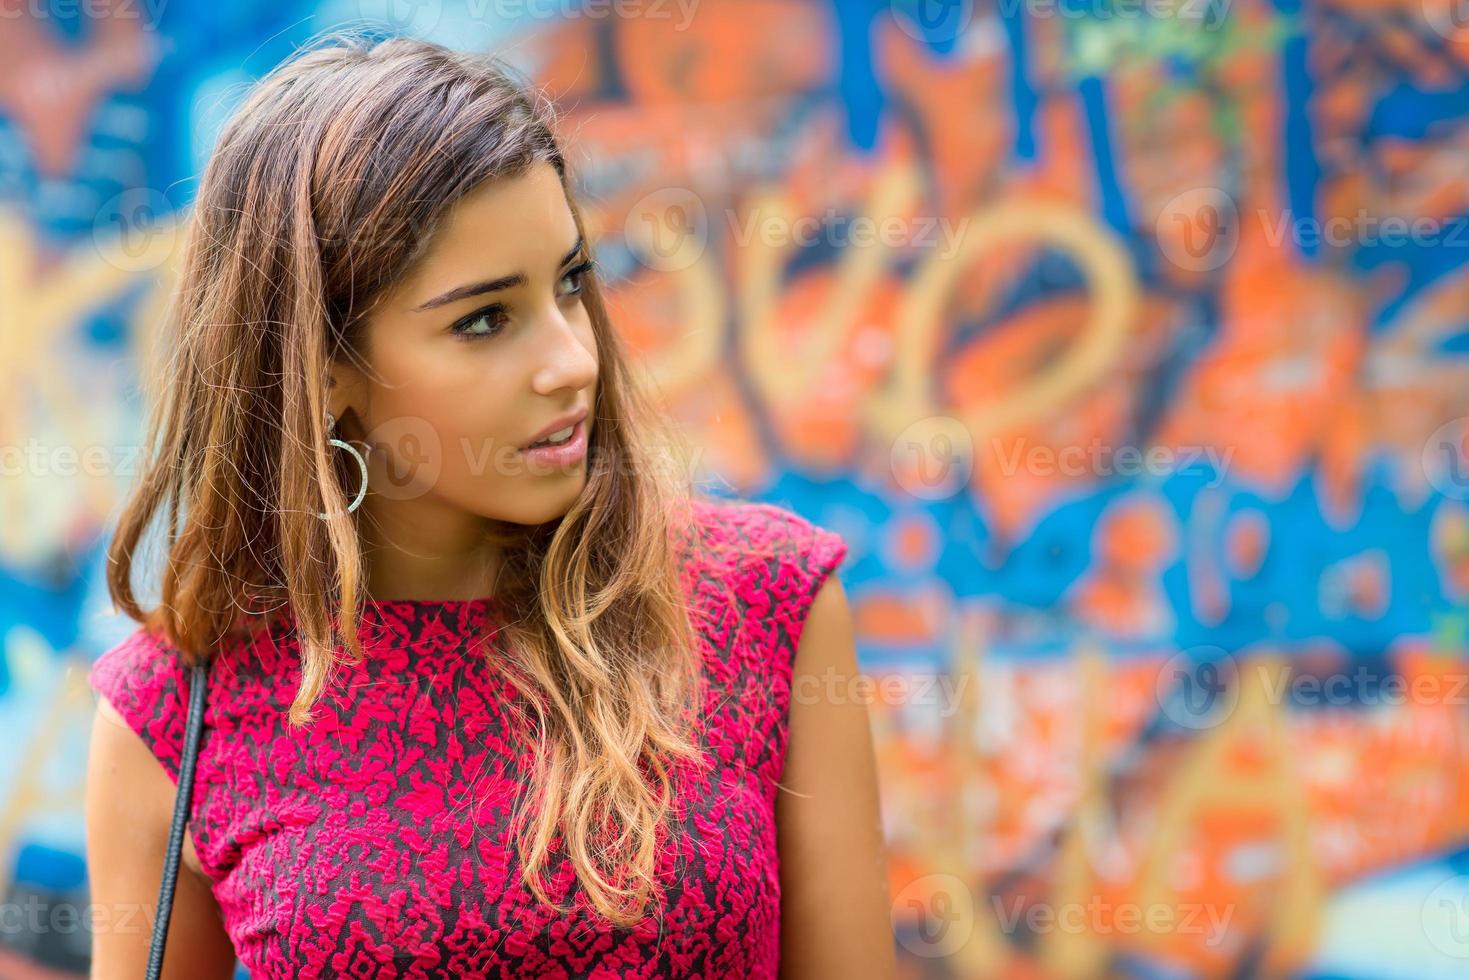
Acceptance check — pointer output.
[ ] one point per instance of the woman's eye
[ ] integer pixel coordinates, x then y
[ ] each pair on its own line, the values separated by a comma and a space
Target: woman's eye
485, 323
572, 282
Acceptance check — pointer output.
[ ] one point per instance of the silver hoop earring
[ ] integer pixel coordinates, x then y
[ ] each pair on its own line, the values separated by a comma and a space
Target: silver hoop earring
331, 423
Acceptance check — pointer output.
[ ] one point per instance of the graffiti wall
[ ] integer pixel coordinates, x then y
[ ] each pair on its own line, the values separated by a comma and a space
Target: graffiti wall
1123, 342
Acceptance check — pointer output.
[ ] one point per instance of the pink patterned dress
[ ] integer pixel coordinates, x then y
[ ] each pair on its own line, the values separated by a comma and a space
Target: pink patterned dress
375, 842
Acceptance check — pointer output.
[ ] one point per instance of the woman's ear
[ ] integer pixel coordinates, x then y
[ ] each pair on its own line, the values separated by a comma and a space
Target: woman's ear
344, 390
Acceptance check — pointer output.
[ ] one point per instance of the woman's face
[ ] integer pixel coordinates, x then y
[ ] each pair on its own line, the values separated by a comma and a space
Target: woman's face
472, 356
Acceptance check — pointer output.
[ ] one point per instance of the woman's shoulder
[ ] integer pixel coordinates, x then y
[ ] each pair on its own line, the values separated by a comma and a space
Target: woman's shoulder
768, 558
761, 530
146, 680
760, 569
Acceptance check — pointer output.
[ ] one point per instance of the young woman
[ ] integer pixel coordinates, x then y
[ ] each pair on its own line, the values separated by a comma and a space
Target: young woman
505, 698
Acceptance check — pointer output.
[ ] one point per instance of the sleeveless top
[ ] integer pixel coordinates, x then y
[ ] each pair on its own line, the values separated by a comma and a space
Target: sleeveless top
374, 841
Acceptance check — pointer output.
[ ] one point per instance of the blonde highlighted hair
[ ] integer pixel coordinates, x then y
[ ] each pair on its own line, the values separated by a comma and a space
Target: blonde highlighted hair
323, 189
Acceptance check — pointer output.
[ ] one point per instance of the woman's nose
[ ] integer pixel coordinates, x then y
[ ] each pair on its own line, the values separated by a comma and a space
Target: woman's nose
570, 357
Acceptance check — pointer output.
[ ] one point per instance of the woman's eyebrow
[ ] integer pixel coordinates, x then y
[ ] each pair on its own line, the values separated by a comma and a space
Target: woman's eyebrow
491, 285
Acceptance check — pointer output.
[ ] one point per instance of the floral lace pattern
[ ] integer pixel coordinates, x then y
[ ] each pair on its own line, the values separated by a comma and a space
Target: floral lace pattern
375, 842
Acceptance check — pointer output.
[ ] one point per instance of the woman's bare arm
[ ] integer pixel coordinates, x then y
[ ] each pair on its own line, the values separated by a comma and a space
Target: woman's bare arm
835, 905
129, 805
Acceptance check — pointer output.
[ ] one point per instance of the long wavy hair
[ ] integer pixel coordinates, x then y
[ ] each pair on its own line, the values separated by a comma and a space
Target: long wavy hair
325, 186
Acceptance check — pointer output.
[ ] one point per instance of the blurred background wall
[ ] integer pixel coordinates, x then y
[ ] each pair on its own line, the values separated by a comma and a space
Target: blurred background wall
1122, 341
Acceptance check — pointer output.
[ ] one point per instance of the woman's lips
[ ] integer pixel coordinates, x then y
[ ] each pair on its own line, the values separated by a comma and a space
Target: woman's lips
573, 450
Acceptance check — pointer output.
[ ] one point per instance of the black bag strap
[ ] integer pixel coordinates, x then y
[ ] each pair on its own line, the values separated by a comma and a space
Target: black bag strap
181, 806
